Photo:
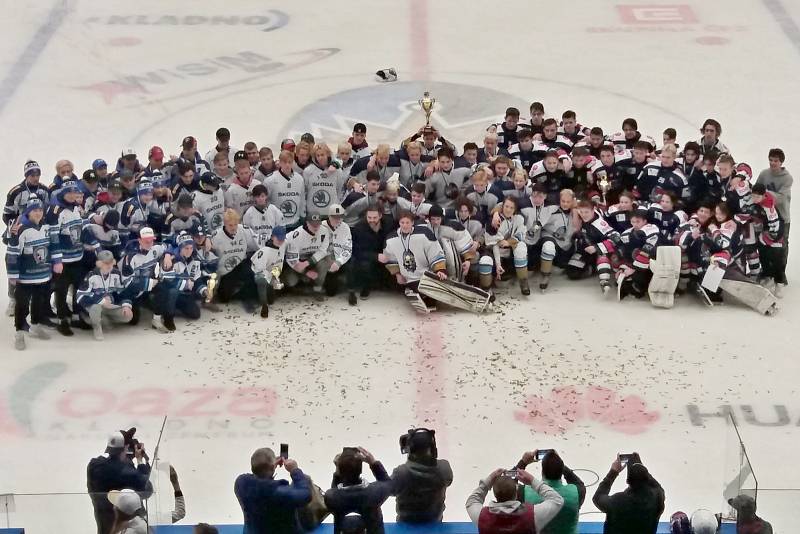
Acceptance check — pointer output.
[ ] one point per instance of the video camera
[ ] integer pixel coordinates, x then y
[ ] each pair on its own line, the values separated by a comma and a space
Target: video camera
405, 440
131, 444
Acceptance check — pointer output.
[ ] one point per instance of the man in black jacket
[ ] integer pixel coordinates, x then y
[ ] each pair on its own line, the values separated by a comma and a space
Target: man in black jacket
369, 236
349, 494
635, 510
115, 471
420, 484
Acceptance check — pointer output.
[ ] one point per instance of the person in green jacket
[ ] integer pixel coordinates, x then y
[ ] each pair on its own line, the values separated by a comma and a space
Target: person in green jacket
572, 489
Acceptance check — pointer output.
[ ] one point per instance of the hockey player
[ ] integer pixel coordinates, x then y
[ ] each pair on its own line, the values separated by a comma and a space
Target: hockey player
631, 166
410, 252
223, 136
595, 142
208, 264
663, 215
508, 240
20, 194
609, 168
100, 233
490, 150
110, 200
345, 160
155, 158
181, 285
638, 246
499, 176
184, 178
382, 161
209, 202
549, 173
445, 185
262, 216
64, 218
455, 241
267, 265
619, 214
223, 168
88, 186
100, 168
138, 269
521, 182
412, 168
735, 184
31, 258
418, 206
357, 200
181, 220
308, 256
709, 142
535, 124
580, 175
770, 230
522, 152
233, 244
551, 140
136, 211
629, 136
302, 156
286, 190
100, 295
358, 141
239, 195
570, 127
324, 182
508, 129
664, 176
189, 155
599, 241
432, 141
535, 214
341, 249
558, 237
484, 200
266, 165
468, 158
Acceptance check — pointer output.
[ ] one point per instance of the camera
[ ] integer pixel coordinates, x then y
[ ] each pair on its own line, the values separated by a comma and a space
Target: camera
131, 444
405, 440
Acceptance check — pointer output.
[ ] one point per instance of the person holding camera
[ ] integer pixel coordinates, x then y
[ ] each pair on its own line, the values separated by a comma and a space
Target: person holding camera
507, 514
635, 510
270, 506
421, 483
114, 470
353, 502
573, 492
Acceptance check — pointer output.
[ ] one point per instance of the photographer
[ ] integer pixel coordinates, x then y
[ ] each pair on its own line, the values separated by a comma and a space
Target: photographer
114, 470
420, 484
635, 510
573, 492
270, 506
507, 514
349, 493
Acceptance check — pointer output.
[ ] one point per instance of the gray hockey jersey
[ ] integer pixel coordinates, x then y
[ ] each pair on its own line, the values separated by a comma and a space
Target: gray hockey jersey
289, 195
413, 254
232, 250
238, 197
323, 188
262, 221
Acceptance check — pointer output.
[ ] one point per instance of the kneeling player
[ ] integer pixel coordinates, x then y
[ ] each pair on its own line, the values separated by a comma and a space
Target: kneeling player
638, 245
267, 266
508, 241
599, 241
100, 295
181, 287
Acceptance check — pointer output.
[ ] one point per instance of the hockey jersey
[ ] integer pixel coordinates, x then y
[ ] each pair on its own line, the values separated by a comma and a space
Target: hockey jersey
31, 253
453, 234
261, 221
535, 217
239, 196
414, 253
267, 259
232, 249
211, 207
620, 220
18, 197
359, 168
324, 187
560, 227
443, 187
411, 173
666, 221
288, 193
638, 247
67, 222
97, 237
176, 224
138, 268
341, 242
185, 272
599, 233
96, 286
304, 245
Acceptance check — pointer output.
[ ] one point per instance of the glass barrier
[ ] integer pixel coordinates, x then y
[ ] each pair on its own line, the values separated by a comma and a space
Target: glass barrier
738, 476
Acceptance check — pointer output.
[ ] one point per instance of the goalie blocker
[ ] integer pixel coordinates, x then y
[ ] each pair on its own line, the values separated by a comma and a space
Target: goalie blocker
455, 294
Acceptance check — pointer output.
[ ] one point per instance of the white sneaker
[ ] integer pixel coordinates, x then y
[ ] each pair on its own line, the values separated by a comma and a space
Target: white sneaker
158, 324
11, 305
37, 331
779, 289
19, 340
97, 331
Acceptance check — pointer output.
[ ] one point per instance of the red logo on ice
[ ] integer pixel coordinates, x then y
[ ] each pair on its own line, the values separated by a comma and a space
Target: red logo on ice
663, 14
566, 406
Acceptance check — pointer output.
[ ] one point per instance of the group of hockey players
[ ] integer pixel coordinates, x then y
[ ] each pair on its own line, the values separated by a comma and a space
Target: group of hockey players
180, 234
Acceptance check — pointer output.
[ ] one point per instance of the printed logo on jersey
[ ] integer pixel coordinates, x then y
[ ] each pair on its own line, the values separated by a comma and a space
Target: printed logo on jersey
40, 254
216, 220
391, 112
409, 261
321, 198
289, 208
231, 262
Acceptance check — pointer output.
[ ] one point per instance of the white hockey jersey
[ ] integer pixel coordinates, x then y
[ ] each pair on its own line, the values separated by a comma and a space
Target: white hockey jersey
238, 197
262, 221
267, 259
341, 245
302, 245
413, 254
289, 195
232, 250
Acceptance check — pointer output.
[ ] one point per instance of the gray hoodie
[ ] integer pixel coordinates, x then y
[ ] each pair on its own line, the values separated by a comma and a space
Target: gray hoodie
780, 185
544, 512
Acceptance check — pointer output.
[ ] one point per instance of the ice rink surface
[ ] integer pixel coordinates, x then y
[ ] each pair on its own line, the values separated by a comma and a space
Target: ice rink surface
569, 370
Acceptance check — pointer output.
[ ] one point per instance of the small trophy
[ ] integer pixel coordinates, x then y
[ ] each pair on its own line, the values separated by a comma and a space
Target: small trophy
604, 185
426, 103
212, 285
276, 277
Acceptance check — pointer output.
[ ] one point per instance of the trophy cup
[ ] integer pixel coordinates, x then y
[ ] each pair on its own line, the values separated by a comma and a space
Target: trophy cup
212, 285
604, 185
426, 103
276, 277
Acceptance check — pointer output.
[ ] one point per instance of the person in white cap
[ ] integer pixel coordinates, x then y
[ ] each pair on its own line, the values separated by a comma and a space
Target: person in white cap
127, 505
114, 470
341, 248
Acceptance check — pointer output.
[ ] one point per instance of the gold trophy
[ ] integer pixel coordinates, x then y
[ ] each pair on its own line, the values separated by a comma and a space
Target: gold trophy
276, 277
212, 285
426, 103
604, 185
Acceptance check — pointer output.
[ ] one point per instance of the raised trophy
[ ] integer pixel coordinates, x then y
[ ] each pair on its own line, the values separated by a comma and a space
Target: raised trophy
426, 103
212, 285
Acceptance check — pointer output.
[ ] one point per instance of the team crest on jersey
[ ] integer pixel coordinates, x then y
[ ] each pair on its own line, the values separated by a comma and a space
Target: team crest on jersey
231, 263
321, 198
409, 261
40, 255
216, 220
289, 208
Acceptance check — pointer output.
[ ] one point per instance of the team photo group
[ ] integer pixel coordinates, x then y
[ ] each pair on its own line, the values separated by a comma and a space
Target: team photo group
436, 223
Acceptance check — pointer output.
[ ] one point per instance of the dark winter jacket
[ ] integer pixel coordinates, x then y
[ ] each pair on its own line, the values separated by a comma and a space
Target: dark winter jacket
419, 486
363, 499
270, 506
367, 244
633, 511
106, 473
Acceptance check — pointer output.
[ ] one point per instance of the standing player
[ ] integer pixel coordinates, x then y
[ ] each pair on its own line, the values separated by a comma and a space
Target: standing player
287, 190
